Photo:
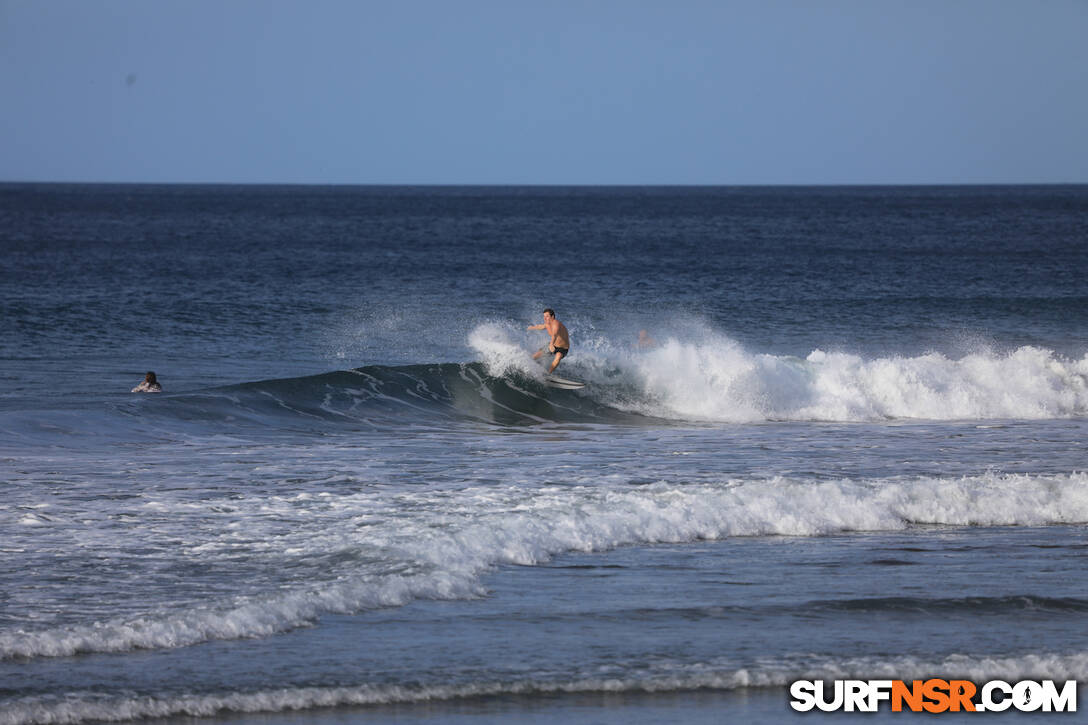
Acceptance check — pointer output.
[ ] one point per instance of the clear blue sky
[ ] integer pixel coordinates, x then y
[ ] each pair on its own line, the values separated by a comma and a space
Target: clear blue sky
544, 92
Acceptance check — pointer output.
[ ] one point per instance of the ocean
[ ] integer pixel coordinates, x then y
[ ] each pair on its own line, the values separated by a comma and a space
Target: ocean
856, 448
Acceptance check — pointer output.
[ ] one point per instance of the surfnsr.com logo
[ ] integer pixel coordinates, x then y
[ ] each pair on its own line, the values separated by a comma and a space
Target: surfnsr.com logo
933, 695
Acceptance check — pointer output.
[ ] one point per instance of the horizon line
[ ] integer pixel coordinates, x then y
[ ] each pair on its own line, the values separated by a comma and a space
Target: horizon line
554, 185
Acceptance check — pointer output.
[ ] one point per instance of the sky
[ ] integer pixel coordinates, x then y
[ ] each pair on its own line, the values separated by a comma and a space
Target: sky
553, 92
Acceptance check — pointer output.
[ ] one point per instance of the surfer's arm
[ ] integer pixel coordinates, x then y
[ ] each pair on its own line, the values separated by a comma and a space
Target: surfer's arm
537, 327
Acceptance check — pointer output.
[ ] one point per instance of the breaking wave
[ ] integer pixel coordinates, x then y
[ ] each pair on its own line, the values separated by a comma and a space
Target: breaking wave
674, 383
715, 379
711, 381
448, 540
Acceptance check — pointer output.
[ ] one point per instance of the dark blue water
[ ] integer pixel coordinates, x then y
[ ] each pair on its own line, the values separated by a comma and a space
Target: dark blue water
857, 448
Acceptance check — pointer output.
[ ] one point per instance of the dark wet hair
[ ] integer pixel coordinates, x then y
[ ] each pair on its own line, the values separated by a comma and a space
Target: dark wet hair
549, 311
150, 377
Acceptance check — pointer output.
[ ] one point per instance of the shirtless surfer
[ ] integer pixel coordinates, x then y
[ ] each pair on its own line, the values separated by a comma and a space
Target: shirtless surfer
560, 342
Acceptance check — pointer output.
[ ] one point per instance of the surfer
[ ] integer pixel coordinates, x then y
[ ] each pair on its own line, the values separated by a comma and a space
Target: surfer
560, 342
149, 385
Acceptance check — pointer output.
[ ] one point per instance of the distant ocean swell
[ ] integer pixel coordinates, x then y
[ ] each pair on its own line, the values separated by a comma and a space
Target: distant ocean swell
443, 541
660, 677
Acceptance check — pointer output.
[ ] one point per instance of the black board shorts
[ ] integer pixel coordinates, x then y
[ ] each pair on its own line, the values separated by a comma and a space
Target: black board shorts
561, 350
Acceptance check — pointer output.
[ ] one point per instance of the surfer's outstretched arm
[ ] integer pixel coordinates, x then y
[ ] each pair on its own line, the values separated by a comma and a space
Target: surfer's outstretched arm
537, 327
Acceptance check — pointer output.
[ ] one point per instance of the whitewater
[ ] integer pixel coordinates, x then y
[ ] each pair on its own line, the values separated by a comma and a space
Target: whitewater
383, 556
714, 378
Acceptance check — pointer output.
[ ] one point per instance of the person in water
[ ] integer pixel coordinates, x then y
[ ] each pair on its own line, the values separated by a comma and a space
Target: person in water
149, 385
560, 342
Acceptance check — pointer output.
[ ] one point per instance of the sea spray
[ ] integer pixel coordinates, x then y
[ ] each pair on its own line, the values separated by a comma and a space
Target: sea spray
713, 378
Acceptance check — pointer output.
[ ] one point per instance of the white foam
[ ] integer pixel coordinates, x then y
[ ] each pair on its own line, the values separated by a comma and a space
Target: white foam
504, 350
257, 617
663, 676
707, 376
437, 544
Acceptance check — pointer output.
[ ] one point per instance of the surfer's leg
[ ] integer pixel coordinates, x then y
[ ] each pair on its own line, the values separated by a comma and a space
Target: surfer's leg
555, 363
538, 353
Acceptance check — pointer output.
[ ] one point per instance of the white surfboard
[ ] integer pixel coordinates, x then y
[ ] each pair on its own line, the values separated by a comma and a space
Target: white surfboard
554, 381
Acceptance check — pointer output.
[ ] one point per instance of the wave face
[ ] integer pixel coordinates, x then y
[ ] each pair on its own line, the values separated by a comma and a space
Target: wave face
715, 380
411, 394
678, 381
711, 380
